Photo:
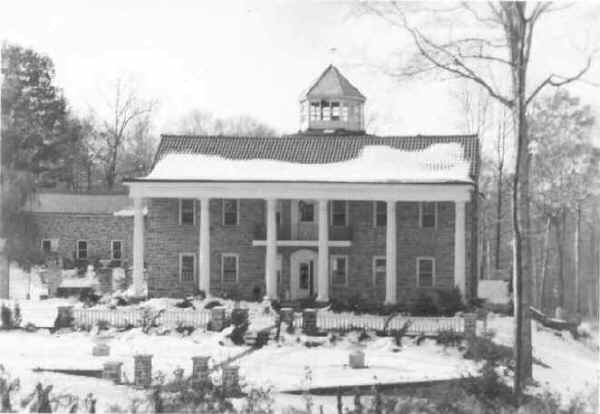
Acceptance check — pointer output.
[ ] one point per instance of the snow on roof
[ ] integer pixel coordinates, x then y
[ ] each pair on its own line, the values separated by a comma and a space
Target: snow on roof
129, 212
437, 163
77, 203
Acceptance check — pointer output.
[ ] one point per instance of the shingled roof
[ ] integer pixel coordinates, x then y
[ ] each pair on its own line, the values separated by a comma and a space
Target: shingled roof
332, 84
308, 149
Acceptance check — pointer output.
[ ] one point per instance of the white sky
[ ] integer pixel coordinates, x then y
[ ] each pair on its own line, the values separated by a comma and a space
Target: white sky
232, 57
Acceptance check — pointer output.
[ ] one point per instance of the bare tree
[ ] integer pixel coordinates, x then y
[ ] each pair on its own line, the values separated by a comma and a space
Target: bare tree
198, 122
125, 108
496, 38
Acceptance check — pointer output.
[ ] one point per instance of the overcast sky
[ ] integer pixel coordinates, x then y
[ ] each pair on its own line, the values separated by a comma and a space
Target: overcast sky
236, 57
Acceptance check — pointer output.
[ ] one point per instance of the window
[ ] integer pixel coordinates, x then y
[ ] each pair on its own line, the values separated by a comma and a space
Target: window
428, 214
229, 267
46, 246
345, 113
315, 111
379, 270
82, 249
325, 111
380, 213
338, 213
425, 271
230, 212
187, 210
116, 249
307, 211
339, 269
187, 264
335, 111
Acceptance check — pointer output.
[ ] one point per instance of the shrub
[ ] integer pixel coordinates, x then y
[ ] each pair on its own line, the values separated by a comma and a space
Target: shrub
238, 332
6, 315
448, 337
102, 325
424, 305
262, 338
482, 348
257, 293
182, 328
450, 301
212, 304
185, 303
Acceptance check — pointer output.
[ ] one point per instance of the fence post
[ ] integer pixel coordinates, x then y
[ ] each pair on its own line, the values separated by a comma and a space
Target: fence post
309, 321
111, 370
287, 315
200, 370
470, 320
64, 317
231, 380
217, 318
142, 370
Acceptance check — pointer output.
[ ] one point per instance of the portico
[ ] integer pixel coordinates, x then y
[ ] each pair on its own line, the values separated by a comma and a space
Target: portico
324, 192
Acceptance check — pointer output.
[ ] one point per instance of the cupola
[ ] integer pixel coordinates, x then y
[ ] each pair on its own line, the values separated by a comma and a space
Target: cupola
332, 104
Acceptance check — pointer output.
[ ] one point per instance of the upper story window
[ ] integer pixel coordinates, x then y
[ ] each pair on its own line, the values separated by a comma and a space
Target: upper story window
380, 213
82, 249
335, 111
425, 271
49, 245
307, 211
315, 111
116, 249
339, 213
230, 212
187, 210
325, 111
428, 214
345, 113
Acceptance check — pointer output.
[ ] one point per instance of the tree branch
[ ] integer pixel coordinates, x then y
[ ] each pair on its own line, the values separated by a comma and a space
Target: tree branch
552, 80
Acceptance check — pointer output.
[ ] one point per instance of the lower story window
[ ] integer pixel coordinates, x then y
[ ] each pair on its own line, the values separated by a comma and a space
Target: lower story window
116, 249
187, 263
339, 269
425, 271
46, 246
379, 271
229, 267
82, 249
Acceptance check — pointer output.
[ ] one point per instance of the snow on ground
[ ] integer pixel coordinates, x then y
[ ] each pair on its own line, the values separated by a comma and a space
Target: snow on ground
39, 313
493, 291
573, 364
23, 283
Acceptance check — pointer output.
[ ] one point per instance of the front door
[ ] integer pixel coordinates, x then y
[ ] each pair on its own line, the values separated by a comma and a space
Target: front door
303, 265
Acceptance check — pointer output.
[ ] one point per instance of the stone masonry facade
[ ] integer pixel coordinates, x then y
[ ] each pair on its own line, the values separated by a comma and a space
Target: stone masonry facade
166, 239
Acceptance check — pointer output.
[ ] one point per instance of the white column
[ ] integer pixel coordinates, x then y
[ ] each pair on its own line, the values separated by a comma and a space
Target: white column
390, 253
323, 266
204, 248
138, 247
271, 253
459, 246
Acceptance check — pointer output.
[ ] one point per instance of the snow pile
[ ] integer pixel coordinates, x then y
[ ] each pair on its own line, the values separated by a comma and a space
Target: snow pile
375, 163
23, 283
494, 291
129, 212
40, 313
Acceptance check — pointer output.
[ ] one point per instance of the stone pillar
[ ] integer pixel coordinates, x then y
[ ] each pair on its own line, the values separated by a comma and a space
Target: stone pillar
323, 266
111, 370
309, 321
231, 380
390, 254
287, 315
271, 251
204, 247
200, 370
142, 370
217, 318
64, 317
138, 247
459, 247
470, 321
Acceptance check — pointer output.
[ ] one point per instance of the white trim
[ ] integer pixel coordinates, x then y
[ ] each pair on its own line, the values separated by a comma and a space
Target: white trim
112, 257
419, 258
347, 213
374, 205
332, 258
302, 190
87, 250
435, 215
237, 212
373, 272
303, 243
237, 267
193, 223
181, 256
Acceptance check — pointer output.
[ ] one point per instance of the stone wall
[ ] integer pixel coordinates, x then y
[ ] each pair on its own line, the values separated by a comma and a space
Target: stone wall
98, 230
166, 239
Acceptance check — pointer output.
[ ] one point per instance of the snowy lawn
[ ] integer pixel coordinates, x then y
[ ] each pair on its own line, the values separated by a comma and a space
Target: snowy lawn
573, 364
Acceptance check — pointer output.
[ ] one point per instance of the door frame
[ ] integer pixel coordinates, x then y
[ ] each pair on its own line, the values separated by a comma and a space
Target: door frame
297, 257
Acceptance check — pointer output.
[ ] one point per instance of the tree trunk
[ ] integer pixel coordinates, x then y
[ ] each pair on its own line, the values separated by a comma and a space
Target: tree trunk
560, 245
576, 256
4, 268
544, 270
498, 220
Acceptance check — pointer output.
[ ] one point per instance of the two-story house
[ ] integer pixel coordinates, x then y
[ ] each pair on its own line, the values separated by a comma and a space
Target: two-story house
328, 212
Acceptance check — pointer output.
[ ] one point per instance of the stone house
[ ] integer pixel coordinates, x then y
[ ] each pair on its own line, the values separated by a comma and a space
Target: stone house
328, 212
83, 228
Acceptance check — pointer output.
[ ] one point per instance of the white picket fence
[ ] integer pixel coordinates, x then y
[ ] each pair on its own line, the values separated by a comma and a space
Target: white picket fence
134, 317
